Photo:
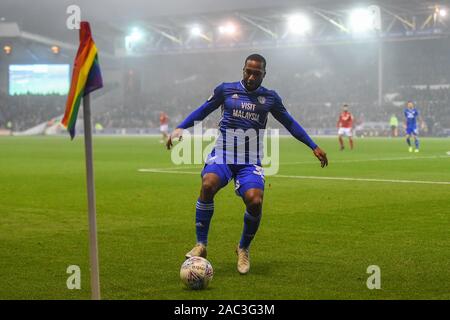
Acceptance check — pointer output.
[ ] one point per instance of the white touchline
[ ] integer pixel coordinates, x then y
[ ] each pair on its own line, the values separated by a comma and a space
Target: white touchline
312, 177
362, 179
199, 166
368, 160
168, 171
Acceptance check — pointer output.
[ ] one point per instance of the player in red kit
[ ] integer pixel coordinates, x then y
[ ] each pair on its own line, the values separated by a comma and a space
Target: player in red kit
345, 125
164, 126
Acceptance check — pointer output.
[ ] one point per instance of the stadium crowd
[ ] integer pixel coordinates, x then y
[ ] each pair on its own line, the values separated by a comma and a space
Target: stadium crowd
313, 89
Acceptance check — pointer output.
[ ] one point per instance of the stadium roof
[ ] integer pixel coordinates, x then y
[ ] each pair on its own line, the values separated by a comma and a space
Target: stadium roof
166, 20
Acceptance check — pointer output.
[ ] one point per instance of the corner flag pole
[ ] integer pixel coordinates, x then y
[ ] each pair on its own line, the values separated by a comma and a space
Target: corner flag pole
93, 247
86, 77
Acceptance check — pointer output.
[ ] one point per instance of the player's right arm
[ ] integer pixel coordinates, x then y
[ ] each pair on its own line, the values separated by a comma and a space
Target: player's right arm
215, 101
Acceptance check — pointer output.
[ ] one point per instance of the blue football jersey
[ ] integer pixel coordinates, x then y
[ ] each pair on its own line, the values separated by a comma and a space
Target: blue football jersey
411, 117
244, 115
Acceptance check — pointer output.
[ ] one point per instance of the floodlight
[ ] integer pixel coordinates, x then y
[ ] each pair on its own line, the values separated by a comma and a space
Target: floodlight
299, 24
133, 38
196, 31
229, 28
361, 20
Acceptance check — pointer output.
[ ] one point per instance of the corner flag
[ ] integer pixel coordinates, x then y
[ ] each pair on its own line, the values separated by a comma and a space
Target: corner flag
86, 77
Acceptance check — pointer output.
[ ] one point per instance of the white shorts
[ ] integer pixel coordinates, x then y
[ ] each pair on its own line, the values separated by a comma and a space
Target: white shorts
164, 128
345, 132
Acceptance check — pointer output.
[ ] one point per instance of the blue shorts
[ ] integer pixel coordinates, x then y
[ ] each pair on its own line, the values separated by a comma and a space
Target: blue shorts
412, 131
246, 176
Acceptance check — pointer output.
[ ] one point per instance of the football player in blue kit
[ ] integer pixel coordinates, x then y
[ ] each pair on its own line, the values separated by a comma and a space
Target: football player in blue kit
411, 115
245, 107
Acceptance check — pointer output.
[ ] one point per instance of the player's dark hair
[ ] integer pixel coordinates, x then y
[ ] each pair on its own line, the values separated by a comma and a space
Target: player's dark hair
256, 57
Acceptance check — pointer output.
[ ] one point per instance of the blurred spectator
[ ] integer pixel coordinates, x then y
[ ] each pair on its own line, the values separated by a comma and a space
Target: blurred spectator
313, 87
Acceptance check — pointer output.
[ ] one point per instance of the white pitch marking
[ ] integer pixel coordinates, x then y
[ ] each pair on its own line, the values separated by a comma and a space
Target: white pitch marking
313, 177
199, 166
155, 170
367, 160
180, 167
362, 179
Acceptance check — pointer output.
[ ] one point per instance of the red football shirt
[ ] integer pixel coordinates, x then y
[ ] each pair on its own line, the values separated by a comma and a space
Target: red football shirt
345, 120
163, 119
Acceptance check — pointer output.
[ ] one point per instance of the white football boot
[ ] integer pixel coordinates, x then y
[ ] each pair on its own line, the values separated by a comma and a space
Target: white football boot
243, 264
199, 250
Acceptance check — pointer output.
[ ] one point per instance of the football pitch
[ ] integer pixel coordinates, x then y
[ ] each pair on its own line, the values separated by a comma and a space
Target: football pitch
321, 228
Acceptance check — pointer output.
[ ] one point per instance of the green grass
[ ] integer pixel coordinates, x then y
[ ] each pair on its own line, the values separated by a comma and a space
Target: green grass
316, 239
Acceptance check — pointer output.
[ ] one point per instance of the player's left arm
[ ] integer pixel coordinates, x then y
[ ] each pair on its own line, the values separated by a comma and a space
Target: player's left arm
282, 115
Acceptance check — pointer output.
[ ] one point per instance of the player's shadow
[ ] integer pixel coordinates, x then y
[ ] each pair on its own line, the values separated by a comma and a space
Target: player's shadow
259, 268
210, 288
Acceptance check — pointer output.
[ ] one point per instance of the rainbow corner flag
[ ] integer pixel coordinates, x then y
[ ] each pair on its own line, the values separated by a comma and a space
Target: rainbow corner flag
86, 77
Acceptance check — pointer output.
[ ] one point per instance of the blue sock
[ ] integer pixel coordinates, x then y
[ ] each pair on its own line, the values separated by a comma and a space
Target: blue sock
203, 214
417, 143
408, 141
251, 224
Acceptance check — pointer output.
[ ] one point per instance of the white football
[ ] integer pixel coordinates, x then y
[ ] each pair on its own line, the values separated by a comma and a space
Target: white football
196, 273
